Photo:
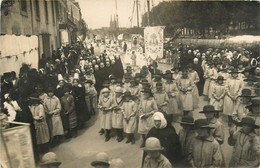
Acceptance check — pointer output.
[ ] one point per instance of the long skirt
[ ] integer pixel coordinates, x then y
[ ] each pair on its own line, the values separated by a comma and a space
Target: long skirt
117, 119
206, 87
195, 95
106, 119
211, 88
187, 101
130, 127
228, 106
57, 128
145, 125
218, 105
42, 132
73, 120
172, 106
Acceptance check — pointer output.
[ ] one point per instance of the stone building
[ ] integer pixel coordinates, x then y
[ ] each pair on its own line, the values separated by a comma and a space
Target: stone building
46, 19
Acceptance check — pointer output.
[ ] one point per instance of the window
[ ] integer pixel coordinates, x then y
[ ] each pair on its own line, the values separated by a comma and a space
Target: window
24, 5
46, 11
37, 8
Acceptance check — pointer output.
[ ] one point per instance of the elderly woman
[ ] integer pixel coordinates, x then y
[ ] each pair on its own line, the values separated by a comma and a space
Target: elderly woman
246, 144
168, 137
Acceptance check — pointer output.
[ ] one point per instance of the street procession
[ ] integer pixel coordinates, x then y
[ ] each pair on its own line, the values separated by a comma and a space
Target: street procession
129, 84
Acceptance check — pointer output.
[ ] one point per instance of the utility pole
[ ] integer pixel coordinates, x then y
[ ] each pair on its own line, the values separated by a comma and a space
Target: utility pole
137, 13
148, 12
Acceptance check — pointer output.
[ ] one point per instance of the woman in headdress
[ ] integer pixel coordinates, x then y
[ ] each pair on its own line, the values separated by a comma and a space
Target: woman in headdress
165, 132
78, 92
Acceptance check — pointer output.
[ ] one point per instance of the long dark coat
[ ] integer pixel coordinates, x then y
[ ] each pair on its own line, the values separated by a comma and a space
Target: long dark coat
80, 103
170, 141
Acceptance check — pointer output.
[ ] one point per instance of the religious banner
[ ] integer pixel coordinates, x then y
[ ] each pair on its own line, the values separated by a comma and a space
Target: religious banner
16, 147
153, 40
135, 41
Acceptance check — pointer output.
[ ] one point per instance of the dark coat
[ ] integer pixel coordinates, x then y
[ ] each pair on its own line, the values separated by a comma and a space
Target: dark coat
169, 140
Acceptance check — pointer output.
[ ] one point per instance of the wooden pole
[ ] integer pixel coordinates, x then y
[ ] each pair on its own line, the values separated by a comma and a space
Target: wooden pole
148, 12
137, 13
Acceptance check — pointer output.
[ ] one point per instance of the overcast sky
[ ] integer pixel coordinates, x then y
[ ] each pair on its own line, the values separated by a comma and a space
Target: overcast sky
97, 13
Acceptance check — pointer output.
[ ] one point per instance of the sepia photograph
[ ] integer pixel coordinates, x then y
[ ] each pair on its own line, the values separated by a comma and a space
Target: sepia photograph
130, 84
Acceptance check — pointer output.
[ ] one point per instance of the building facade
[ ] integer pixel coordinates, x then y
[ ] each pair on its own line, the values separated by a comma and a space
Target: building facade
45, 18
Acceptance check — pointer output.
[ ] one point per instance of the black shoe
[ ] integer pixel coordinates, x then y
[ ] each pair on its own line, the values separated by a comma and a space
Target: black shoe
101, 132
133, 141
120, 139
107, 139
128, 141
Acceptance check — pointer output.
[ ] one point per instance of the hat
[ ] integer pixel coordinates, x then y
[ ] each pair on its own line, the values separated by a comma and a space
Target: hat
248, 121
187, 120
254, 102
147, 90
127, 94
119, 90
246, 93
144, 67
105, 83
250, 78
220, 78
50, 89
116, 163
49, 158
105, 90
60, 77
208, 108
234, 70
159, 85
76, 76
138, 75
144, 81
203, 123
101, 159
34, 97
112, 76
153, 144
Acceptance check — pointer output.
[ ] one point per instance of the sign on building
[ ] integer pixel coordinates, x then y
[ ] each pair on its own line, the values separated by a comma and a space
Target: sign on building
16, 147
153, 40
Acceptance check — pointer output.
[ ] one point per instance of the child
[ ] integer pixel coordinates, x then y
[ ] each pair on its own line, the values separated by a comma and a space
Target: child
161, 97
117, 115
146, 109
218, 94
105, 106
90, 97
211, 115
129, 110
246, 152
70, 116
41, 127
233, 89
135, 90
205, 149
240, 110
193, 75
187, 137
53, 108
185, 86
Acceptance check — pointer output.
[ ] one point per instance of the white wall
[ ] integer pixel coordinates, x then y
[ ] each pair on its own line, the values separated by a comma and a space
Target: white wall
16, 50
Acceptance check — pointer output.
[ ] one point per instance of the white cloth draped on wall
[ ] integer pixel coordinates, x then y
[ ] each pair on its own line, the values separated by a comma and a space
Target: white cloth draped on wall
16, 50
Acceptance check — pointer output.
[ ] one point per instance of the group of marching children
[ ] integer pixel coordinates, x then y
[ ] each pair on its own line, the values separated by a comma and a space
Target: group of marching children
127, 105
